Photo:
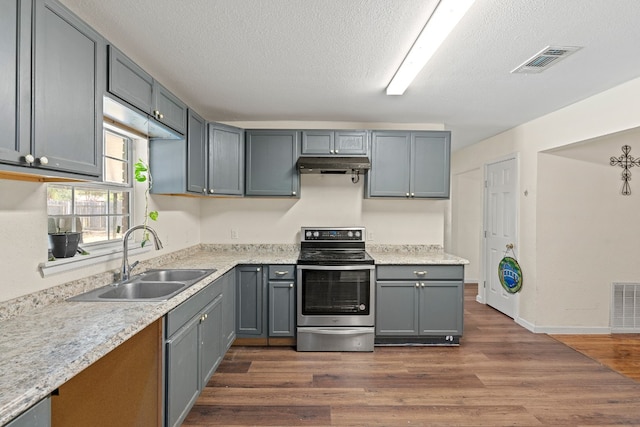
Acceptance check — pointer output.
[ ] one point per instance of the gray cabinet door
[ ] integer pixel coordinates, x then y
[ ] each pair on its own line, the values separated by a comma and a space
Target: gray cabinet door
348, 143
129, 82
397, 311
168, 108
211, 340
182, 372
390, 164
196, 154
15, 80
250, 302
430, 164
270, 165
69, 75
229, 309
226, 160
39, 415
441, 308
331, 143
319, 142
282, 309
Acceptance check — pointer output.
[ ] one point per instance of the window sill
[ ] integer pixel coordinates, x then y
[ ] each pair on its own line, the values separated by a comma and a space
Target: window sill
98, 255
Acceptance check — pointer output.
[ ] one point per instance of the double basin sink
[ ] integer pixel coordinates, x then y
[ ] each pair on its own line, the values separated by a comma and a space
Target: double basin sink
152, 285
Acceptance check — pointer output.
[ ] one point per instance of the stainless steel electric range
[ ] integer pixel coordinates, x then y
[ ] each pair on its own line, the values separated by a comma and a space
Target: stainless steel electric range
335, 290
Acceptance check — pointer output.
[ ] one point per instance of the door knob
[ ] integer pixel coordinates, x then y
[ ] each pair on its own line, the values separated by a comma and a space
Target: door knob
510, 246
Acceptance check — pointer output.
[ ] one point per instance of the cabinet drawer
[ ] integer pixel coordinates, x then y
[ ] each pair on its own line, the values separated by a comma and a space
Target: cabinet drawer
421, 272
180, 315
282, 272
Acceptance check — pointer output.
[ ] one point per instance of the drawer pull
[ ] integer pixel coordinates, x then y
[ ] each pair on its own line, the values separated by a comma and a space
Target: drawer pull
420, 273
281, 273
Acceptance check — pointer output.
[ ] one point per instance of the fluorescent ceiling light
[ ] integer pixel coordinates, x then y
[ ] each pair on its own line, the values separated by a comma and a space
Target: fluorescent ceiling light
446, 16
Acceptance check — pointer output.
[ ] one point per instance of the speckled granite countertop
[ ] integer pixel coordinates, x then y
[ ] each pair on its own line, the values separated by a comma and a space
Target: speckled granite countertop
46, 345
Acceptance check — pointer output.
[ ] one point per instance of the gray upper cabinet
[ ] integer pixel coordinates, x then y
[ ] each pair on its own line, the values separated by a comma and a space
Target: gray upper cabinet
196, 153
409, 164
270, 165
52, 73
69, 75
15, 80
132, 84
334, 143
226, 160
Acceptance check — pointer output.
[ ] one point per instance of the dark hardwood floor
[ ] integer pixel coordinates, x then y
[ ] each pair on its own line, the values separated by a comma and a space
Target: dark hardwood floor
500, 375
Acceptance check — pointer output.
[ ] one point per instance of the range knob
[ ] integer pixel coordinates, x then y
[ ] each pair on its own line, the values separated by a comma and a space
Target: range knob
316, 234
350, 234
308, 234
357, 234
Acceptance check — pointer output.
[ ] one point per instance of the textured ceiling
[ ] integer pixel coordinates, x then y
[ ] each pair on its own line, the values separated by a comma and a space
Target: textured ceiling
331, 60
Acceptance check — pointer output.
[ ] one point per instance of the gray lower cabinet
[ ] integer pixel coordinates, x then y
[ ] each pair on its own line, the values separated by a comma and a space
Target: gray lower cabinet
195, 344
250, 302
409, 164
419, 304
51, 107
265, 301
229, 309
129, 82
225, 160
39, 415
270, 163
334, 143
282, 301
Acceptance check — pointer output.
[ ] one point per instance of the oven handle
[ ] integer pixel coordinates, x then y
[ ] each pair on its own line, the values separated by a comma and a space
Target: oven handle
337, 267
340, 331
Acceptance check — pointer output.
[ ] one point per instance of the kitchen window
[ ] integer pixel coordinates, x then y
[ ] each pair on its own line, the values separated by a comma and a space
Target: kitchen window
101, 211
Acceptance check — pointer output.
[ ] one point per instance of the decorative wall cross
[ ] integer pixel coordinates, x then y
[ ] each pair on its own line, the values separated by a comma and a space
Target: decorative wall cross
626, 162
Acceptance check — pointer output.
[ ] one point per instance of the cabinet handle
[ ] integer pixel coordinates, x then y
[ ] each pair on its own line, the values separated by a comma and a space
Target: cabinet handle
211, 191
29, 158
420, 273
293, 193
331, 151
423, 285
407, 194
161, 116
155, 113
417, 285
258, 269
280, 273
290, 285
204, 190
337, 151
413, 194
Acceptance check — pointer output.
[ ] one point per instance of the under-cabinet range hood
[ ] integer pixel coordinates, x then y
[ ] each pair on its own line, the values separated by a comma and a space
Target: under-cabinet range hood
333, 164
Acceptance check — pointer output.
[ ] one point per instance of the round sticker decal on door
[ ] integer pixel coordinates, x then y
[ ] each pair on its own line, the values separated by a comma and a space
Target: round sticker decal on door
510, 274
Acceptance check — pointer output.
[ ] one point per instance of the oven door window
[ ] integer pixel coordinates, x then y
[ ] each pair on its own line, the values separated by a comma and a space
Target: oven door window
329, 292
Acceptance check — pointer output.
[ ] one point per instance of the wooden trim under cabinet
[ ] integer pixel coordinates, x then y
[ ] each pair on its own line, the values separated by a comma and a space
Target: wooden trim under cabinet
124, 388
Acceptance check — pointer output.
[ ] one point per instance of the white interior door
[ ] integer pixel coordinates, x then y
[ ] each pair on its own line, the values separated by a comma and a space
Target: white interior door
500, 230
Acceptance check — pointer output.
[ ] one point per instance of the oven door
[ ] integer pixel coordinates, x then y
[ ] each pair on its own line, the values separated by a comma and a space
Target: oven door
336, 295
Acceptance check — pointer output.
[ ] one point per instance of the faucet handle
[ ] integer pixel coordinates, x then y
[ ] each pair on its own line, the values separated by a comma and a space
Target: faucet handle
132, 266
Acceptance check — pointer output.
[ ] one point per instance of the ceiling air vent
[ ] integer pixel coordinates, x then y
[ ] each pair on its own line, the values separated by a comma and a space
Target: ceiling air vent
544, 59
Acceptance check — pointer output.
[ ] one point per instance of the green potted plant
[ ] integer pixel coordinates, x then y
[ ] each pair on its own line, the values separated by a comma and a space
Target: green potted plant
142, 173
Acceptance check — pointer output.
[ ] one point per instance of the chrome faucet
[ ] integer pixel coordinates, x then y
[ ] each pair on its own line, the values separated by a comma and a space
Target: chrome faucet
126, 268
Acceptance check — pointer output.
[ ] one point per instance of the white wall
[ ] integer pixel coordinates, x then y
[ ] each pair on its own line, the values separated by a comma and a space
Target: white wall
325, 200
605, 114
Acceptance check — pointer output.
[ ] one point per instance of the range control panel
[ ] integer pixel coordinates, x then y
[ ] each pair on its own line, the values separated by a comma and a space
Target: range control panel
347, 234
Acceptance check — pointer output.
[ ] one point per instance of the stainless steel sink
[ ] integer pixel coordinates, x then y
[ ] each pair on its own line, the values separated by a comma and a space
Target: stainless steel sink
173, 275
153, 285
